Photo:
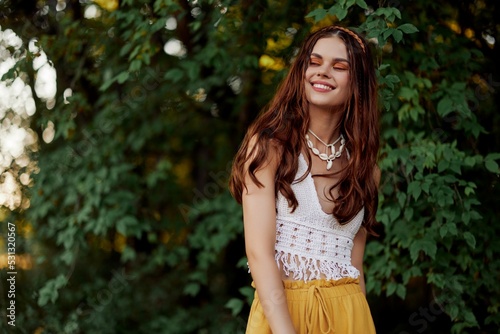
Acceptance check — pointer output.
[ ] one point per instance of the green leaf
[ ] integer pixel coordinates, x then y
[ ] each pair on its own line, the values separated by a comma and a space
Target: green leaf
175, 75
492, 156
191, 289
248, 292
452, 228
408, 28
392, 79
443, 165
126, 224
318, 14
388, 32
362, 4
50, 291
414, 114
401, 199
456, 167
443, 231
401, 291
383, 66
128, 254
437, 279
158, 25
242, 263
106, 84
381, 11
428, 246
470, 161
134, 52
444, 106
471, 240
453, 310
135, 65
492, 166
122, 77
396, 12
338, 11
414, 251
408, 93
68, 256
391, 288
475, 215
470, 318
125, 49
398, 35
341, 14
414, 189
394, 213
195, 25
235, 305
408, 213
469, 191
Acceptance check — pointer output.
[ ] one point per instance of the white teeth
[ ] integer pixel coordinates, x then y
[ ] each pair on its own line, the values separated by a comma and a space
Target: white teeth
320, 86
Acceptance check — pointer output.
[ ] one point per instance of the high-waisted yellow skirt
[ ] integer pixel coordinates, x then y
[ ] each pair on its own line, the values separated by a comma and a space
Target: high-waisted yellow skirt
320, 307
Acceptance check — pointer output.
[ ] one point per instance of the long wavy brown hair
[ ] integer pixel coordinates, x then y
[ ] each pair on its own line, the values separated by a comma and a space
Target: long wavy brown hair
284, 122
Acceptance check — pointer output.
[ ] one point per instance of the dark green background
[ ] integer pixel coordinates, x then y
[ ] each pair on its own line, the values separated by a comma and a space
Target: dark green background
131, 228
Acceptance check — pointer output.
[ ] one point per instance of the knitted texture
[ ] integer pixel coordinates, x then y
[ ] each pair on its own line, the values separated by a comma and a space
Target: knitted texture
311, 244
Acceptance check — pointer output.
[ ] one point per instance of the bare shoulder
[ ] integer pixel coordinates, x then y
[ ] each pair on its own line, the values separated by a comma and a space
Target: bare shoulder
272, 153
261, 166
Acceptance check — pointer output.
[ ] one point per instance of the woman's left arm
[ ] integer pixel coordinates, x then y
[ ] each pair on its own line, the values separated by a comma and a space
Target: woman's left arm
359, 242
357, 255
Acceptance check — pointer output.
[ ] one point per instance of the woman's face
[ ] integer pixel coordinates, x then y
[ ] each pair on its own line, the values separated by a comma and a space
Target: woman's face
327, 80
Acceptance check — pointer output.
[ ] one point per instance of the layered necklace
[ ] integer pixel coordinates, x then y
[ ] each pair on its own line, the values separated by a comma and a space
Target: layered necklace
325, 156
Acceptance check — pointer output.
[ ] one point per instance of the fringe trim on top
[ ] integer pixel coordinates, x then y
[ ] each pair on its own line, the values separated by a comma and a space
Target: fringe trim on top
307, 269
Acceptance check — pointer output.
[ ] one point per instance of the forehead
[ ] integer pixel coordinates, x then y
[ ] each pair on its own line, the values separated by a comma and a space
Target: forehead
330, 47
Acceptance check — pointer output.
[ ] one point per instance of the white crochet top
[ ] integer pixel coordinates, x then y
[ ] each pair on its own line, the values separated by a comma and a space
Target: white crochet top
311, 244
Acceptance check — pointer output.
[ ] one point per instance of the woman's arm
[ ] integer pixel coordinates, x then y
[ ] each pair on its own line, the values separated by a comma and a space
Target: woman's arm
259, 218
359, 242
357, 255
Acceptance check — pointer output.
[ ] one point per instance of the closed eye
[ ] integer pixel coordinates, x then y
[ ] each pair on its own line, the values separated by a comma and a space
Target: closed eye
340, 67
315, 60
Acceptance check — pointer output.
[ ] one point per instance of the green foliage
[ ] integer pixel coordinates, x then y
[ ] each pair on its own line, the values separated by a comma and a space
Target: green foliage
49, 292
433, 220
134, 230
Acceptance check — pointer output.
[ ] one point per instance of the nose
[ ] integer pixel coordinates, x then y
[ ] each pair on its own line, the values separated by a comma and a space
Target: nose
323, 71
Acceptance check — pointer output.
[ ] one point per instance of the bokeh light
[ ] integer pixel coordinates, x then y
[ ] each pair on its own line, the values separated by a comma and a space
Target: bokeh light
17, 106
174, 47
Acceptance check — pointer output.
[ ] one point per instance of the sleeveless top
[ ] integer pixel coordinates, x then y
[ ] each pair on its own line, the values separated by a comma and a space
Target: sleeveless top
311, 244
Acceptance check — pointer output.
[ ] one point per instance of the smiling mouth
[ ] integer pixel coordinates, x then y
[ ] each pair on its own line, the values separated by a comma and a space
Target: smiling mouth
322, 86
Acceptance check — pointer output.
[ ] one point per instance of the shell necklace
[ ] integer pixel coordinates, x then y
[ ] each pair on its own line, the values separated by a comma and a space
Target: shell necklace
324, 156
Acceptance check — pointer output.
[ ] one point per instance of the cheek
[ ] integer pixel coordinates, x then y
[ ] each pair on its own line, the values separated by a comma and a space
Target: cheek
345, 78
308, 74
307, 78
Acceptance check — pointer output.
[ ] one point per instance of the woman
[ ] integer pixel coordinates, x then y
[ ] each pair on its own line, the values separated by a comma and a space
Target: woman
307, 178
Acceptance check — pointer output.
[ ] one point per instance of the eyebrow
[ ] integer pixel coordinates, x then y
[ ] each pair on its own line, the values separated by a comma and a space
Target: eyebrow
335, 59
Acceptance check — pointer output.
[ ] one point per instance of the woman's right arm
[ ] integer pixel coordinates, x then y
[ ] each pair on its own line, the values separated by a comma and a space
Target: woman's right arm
259, 218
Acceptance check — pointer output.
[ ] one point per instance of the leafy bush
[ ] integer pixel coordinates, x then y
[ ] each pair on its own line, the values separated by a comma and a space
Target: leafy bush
130, 226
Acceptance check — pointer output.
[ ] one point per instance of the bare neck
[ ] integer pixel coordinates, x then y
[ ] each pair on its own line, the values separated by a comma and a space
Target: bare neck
325, 123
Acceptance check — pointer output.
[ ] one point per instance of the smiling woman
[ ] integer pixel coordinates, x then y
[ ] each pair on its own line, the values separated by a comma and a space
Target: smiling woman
305, 221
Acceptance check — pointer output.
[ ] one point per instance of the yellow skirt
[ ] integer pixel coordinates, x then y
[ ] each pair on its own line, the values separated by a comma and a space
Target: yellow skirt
320, 307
